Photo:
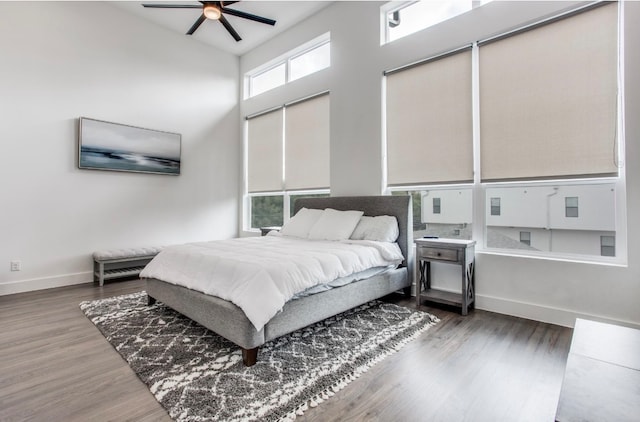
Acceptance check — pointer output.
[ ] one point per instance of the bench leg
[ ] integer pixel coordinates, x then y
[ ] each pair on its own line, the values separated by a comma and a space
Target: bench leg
250, 356
101, 273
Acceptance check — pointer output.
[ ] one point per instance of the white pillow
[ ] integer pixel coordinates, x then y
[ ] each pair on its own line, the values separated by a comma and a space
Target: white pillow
335, 225
300, 224
383, 228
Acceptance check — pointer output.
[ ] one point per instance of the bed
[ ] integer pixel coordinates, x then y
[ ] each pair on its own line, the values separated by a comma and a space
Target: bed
230, 321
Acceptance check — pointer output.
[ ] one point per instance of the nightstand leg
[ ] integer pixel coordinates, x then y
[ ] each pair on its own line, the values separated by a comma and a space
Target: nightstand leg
465, 286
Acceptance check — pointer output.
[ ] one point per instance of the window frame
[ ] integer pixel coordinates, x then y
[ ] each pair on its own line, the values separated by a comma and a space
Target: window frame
396, 6
304, 52
418, 191
251, 79
480, 187
495, 209
437, 206
285, 59
569, 209
286, 208
602, 245
281, 190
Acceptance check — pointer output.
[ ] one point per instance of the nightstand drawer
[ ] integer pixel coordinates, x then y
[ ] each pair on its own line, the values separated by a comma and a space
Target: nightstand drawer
441, 254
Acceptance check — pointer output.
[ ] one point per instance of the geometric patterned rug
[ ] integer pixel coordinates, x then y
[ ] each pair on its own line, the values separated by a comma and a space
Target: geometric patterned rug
199, 376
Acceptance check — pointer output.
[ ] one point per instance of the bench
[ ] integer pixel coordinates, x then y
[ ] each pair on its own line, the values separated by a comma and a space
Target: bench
118, 263
602, 376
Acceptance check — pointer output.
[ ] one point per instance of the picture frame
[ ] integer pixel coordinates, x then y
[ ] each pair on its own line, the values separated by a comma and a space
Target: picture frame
112, 146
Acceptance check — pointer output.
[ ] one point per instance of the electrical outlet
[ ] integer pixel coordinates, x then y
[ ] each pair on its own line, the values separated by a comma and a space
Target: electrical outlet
16, 265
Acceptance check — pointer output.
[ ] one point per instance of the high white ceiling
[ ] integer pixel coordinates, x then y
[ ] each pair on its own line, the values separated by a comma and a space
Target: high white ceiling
286, 13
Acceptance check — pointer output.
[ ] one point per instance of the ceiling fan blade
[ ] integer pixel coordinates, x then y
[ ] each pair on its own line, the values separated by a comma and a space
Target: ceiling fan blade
219, 3
229, 28
173, 6
196, 25
248, 16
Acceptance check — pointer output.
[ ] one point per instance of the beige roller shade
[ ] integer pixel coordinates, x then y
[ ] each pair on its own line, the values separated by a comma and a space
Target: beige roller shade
548, 100
265, 152
307, 144
429, 122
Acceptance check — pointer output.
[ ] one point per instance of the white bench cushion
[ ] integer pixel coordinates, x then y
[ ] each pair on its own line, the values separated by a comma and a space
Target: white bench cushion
126, 253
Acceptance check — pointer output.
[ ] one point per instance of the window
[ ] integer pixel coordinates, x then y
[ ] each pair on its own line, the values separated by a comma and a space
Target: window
551, 113
429, 122
571, 206
541, 210
267, 211
412, 16
310, 61
547, 130
304, 60
279, 171
495, 206
436, 205
569, 79
429, 220
607, 245
268, 79
294, 197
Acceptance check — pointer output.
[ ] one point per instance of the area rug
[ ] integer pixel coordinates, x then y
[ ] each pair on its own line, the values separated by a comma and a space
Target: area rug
199, 376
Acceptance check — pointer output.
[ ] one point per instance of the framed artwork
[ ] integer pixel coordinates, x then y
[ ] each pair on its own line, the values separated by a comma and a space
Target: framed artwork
112, 146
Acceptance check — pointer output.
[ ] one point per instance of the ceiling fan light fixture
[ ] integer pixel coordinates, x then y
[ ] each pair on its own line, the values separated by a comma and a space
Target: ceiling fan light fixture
211, 12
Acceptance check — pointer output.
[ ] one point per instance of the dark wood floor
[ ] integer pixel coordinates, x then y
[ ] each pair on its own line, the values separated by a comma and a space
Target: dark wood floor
56, 366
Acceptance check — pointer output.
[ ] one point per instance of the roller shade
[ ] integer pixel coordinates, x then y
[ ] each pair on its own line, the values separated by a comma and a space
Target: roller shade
548, 100
265, 152
307, 144
429, 122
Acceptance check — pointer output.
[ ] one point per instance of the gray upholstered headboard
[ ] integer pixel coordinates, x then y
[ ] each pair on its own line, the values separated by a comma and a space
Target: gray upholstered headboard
398, 206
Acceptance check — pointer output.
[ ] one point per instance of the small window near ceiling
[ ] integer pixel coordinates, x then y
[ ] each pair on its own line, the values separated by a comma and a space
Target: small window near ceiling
303, 60
310, 61
405, 18
608, 245
268, 79
525, 237
436, 205
571, 206
495, 206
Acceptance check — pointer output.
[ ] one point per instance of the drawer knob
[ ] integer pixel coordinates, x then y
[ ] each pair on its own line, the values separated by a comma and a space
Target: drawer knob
439, 254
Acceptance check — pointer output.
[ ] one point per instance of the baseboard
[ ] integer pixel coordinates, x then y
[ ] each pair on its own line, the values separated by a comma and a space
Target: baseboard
563, 317
21, 286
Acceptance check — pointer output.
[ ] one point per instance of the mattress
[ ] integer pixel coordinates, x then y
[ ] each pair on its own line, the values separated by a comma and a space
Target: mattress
260, 274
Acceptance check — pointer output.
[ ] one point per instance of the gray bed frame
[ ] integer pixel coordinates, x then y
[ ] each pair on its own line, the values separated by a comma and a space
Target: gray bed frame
229, 321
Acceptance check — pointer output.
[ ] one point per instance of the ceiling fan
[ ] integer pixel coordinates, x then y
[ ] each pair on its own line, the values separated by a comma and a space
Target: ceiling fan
214, 10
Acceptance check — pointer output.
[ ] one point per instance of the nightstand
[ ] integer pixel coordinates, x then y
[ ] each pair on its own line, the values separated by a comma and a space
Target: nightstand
449, 251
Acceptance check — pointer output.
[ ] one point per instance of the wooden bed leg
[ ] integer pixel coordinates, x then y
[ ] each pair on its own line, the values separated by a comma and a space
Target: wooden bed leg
250, 356
150, 300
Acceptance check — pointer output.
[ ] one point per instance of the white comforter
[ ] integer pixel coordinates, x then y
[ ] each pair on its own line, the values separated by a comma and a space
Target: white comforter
260, 274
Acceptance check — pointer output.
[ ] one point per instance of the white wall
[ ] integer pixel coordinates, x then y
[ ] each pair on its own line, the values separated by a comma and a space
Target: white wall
543, 289
62, 60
